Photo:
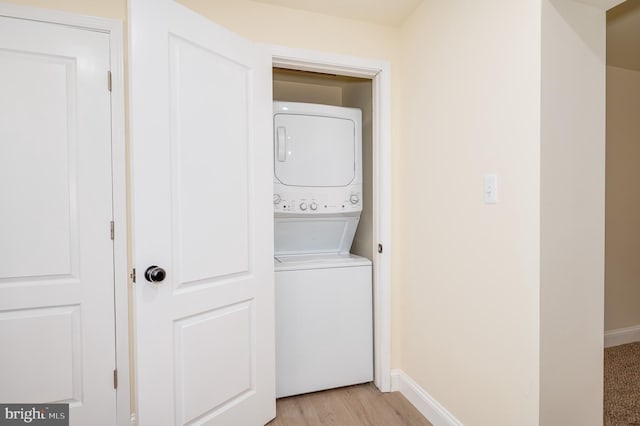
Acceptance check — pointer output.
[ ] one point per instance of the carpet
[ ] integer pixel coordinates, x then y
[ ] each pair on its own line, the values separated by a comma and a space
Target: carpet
622, 385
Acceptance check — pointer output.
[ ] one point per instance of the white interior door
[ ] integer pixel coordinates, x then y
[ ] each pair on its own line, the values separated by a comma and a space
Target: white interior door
201, 140
56, 253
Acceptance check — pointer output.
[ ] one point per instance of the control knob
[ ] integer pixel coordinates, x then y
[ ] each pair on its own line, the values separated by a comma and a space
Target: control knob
277, 198
313, 205
354, 199
303, 206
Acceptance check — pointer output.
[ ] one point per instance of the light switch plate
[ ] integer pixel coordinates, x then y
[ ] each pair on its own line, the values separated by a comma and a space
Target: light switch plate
490, 189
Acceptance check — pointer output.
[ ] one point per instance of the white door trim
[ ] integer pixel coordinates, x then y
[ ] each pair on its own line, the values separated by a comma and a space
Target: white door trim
379, 73
112, 27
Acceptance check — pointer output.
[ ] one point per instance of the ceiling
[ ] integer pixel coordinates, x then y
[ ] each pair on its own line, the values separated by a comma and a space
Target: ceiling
623, 35
385, 12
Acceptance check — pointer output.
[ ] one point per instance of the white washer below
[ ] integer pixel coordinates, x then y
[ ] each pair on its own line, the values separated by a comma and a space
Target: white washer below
324, 322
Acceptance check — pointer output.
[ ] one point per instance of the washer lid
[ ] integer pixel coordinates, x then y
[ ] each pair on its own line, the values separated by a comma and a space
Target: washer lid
314, 150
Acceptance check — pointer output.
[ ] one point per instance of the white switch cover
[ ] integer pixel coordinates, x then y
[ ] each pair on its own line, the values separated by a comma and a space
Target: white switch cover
490, 189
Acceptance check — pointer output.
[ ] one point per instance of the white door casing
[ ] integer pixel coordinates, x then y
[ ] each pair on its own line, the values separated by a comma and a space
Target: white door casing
57, 267
200, 135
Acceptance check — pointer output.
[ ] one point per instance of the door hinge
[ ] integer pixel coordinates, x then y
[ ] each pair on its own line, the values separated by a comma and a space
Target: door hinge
113, 230
379, 248
115, 379
109, 79
133, 275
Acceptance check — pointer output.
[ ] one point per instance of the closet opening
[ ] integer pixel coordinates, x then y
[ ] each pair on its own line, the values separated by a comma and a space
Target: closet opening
307, 77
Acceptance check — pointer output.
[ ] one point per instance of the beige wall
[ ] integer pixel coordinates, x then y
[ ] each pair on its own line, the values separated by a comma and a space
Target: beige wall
622, 267
470, 280
116, 9
300, 86
572, 213
295, 28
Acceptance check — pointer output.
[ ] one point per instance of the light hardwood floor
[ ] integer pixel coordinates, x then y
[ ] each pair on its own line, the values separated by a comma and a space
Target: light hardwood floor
349, 406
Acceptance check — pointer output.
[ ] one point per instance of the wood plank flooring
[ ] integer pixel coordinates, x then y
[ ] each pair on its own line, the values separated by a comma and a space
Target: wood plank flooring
349, 406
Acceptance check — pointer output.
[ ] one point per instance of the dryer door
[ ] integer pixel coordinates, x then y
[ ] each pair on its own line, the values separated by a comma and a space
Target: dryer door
314, 150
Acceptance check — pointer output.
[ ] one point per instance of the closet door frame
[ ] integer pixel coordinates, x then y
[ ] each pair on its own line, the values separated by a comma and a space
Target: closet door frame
379, 74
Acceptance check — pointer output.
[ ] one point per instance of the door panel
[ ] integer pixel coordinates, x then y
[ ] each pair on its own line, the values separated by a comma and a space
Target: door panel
37, 153
207, 387
56, 272
201, 128
209, 132
57, 329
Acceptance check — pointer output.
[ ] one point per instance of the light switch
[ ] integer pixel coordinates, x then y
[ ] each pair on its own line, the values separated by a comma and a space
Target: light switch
490, 189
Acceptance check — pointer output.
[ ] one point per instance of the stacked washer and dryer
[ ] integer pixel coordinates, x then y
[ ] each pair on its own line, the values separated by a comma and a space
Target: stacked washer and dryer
324, 319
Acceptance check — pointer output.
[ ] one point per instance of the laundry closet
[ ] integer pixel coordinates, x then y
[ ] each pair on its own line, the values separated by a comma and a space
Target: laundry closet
323, 225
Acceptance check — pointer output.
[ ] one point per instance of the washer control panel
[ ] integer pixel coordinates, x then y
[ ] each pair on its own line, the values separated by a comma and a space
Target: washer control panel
317, 203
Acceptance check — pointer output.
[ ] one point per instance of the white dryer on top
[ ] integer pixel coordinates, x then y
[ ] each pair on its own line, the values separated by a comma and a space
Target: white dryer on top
317, 183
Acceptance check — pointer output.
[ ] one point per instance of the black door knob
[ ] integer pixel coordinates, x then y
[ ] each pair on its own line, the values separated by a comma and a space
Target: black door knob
155, 274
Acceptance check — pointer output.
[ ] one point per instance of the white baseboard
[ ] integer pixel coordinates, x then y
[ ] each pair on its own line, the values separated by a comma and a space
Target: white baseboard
621, 336
134, 420
419, 398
